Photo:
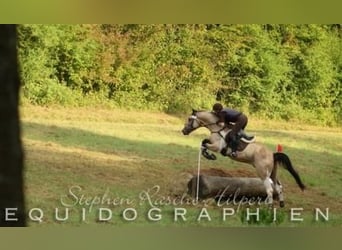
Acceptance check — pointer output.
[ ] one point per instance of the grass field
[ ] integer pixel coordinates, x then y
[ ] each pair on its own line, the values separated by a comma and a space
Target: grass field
77, 158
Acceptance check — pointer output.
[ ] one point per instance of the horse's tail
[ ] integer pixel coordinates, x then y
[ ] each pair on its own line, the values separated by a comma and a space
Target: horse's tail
285, 161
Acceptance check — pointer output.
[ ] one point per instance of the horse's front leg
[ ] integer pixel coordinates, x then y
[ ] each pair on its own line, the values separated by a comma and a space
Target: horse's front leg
215, 143
214, 147
206, 144
212, 143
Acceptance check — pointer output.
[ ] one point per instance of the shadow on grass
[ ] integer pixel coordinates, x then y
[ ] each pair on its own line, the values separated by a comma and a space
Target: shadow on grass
168, 154
75, 137
83, 139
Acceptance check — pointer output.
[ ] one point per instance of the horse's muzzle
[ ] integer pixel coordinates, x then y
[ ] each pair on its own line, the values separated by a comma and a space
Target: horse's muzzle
185, 131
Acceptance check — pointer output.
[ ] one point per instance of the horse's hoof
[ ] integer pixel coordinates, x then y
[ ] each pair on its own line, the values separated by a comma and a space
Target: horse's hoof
212, 157
282, 204
208, 155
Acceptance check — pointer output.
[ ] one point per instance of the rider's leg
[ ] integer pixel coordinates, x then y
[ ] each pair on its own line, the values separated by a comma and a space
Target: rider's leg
244, 121
233, 137
234, 143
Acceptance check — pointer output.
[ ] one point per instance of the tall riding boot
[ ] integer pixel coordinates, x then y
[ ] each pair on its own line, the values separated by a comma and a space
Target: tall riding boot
234, 143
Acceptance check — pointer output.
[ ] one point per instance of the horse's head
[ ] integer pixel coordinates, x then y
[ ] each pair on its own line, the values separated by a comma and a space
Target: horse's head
192, 123
198, 119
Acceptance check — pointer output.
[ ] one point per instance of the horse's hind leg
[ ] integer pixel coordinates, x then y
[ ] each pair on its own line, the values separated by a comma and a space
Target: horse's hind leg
269, 190
279, 190
263, 170
263, 163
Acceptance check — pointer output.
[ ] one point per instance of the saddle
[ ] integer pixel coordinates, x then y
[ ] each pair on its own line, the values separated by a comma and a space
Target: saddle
246, 138
243, 137
235, 144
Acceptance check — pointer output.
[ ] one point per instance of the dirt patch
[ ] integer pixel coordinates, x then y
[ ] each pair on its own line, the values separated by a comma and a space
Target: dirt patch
311, 198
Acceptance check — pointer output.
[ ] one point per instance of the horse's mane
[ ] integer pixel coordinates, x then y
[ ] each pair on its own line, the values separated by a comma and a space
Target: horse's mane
204, 111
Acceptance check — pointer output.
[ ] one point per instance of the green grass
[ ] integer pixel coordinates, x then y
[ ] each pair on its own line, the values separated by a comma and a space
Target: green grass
126, 153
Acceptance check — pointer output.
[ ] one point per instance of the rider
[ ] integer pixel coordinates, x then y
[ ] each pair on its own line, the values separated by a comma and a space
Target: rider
227, 116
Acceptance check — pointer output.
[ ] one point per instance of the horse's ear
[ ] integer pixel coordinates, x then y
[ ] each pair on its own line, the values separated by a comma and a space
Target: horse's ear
194, 111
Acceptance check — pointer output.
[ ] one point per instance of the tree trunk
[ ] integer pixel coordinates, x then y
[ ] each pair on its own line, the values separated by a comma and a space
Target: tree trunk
227, 187
12, 210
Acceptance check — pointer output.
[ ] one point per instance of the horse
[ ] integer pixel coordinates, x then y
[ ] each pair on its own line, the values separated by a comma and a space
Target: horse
263, 159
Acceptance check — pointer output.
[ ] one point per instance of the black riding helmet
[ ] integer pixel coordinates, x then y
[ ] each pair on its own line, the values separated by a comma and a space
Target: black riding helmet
217, 107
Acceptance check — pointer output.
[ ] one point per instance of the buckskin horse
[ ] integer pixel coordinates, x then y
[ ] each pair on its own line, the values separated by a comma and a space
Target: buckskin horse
264, 160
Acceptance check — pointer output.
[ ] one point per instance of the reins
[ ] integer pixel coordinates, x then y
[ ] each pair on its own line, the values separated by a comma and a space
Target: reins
201, 122
208, 124
219, 132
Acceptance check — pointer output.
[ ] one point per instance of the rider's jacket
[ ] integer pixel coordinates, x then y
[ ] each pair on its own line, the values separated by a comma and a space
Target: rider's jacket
229, 115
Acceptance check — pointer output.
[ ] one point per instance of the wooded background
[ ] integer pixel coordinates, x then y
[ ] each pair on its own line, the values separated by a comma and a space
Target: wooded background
290, 72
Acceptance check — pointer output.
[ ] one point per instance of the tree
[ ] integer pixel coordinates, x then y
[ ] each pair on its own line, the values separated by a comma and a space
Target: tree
12, 209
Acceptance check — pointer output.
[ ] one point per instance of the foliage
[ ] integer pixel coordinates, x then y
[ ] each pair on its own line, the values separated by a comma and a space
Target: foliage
290, 72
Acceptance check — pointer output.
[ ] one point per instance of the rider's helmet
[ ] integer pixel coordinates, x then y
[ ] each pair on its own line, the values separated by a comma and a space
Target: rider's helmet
217, 107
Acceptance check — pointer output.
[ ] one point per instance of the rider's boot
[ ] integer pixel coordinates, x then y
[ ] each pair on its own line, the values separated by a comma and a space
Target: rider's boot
234, 143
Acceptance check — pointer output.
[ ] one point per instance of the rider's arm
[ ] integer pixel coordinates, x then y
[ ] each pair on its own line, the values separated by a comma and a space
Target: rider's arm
222, 116
221, 124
